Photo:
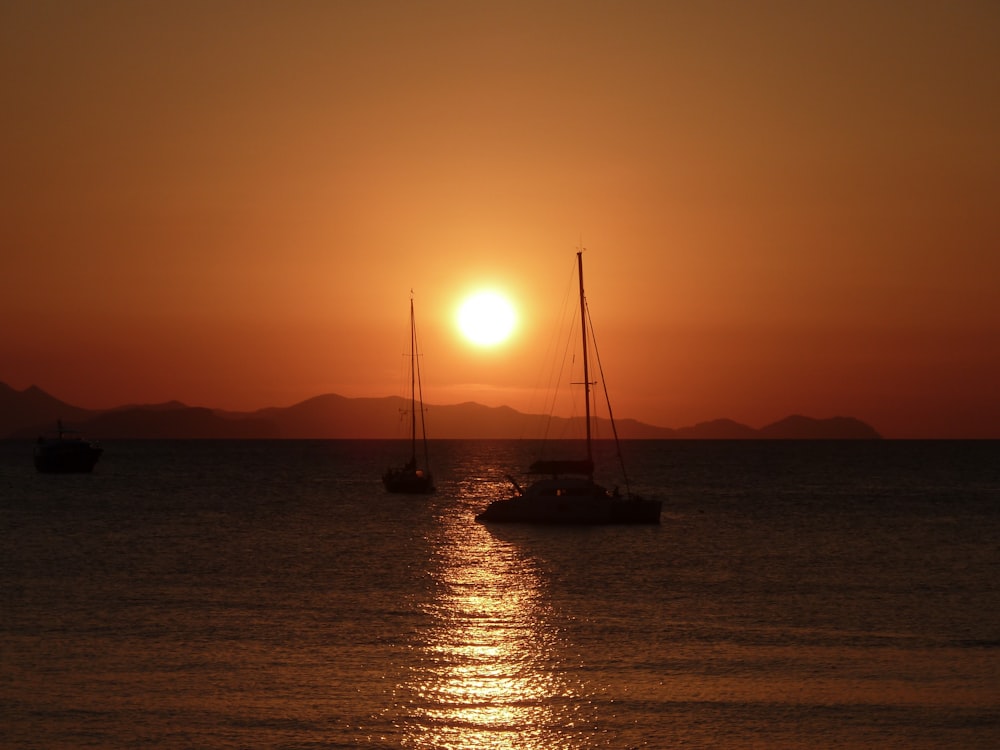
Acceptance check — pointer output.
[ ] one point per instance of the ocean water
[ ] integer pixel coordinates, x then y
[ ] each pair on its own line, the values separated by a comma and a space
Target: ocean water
258, 594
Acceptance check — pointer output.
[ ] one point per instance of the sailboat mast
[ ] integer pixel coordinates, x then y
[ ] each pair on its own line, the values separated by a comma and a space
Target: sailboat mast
413, 384
586, 373
420, 401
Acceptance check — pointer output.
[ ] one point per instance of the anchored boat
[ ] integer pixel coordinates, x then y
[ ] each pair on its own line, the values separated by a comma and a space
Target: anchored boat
566, 493
64, 451
411, 479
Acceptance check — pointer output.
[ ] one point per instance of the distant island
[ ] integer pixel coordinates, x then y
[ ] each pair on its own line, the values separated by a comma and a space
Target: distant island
25, 414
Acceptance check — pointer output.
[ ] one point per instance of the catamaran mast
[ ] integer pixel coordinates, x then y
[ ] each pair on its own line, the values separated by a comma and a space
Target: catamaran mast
586, 373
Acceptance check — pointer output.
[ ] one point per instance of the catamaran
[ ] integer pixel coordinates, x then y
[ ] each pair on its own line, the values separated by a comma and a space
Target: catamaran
566, 493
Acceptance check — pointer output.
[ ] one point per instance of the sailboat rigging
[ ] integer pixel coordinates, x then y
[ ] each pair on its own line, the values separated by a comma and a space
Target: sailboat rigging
411, 479
569, 494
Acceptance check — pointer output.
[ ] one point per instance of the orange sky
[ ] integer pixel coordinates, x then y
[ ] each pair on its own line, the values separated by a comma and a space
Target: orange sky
787, 209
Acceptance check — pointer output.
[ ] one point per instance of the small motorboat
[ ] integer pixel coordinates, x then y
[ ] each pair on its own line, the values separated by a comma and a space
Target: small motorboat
64, 451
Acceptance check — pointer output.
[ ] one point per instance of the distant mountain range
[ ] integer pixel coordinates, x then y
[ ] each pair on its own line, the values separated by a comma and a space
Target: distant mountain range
28, 413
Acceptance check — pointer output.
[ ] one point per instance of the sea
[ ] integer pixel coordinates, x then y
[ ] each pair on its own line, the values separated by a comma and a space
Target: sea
208, 594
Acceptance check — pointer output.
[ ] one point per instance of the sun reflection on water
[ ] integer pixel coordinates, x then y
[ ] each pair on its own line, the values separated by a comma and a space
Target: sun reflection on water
488, 671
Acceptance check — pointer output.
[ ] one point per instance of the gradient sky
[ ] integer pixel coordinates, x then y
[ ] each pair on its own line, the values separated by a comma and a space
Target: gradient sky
788, 207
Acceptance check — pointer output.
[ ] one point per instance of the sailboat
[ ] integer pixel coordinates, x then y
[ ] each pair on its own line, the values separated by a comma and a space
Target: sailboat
566, 493
411, 479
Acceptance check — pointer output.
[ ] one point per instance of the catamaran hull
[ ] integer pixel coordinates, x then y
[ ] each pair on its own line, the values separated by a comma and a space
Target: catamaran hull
572, 512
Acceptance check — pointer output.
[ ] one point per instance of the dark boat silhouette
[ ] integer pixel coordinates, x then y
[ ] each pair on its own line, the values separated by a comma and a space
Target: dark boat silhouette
568, 494
65, 451
411, 479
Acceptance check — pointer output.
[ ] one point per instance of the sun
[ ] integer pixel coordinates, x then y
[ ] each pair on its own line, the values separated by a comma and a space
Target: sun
486, 318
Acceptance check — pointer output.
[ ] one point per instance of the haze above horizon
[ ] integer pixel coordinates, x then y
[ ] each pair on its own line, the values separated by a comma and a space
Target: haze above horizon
787, 209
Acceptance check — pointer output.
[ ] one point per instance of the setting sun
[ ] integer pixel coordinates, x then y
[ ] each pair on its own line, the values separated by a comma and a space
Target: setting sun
486, 318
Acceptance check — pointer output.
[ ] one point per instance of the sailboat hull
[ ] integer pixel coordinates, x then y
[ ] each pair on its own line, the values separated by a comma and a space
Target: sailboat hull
408, 482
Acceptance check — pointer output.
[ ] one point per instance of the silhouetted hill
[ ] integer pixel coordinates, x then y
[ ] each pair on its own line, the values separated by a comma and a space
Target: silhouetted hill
798, 427
27, 413
718, 429
175, 423
471, 420
165, 406
332, 416
35, 410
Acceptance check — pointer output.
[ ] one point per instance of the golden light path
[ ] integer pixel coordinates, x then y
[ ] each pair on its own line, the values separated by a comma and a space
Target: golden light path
489, 672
